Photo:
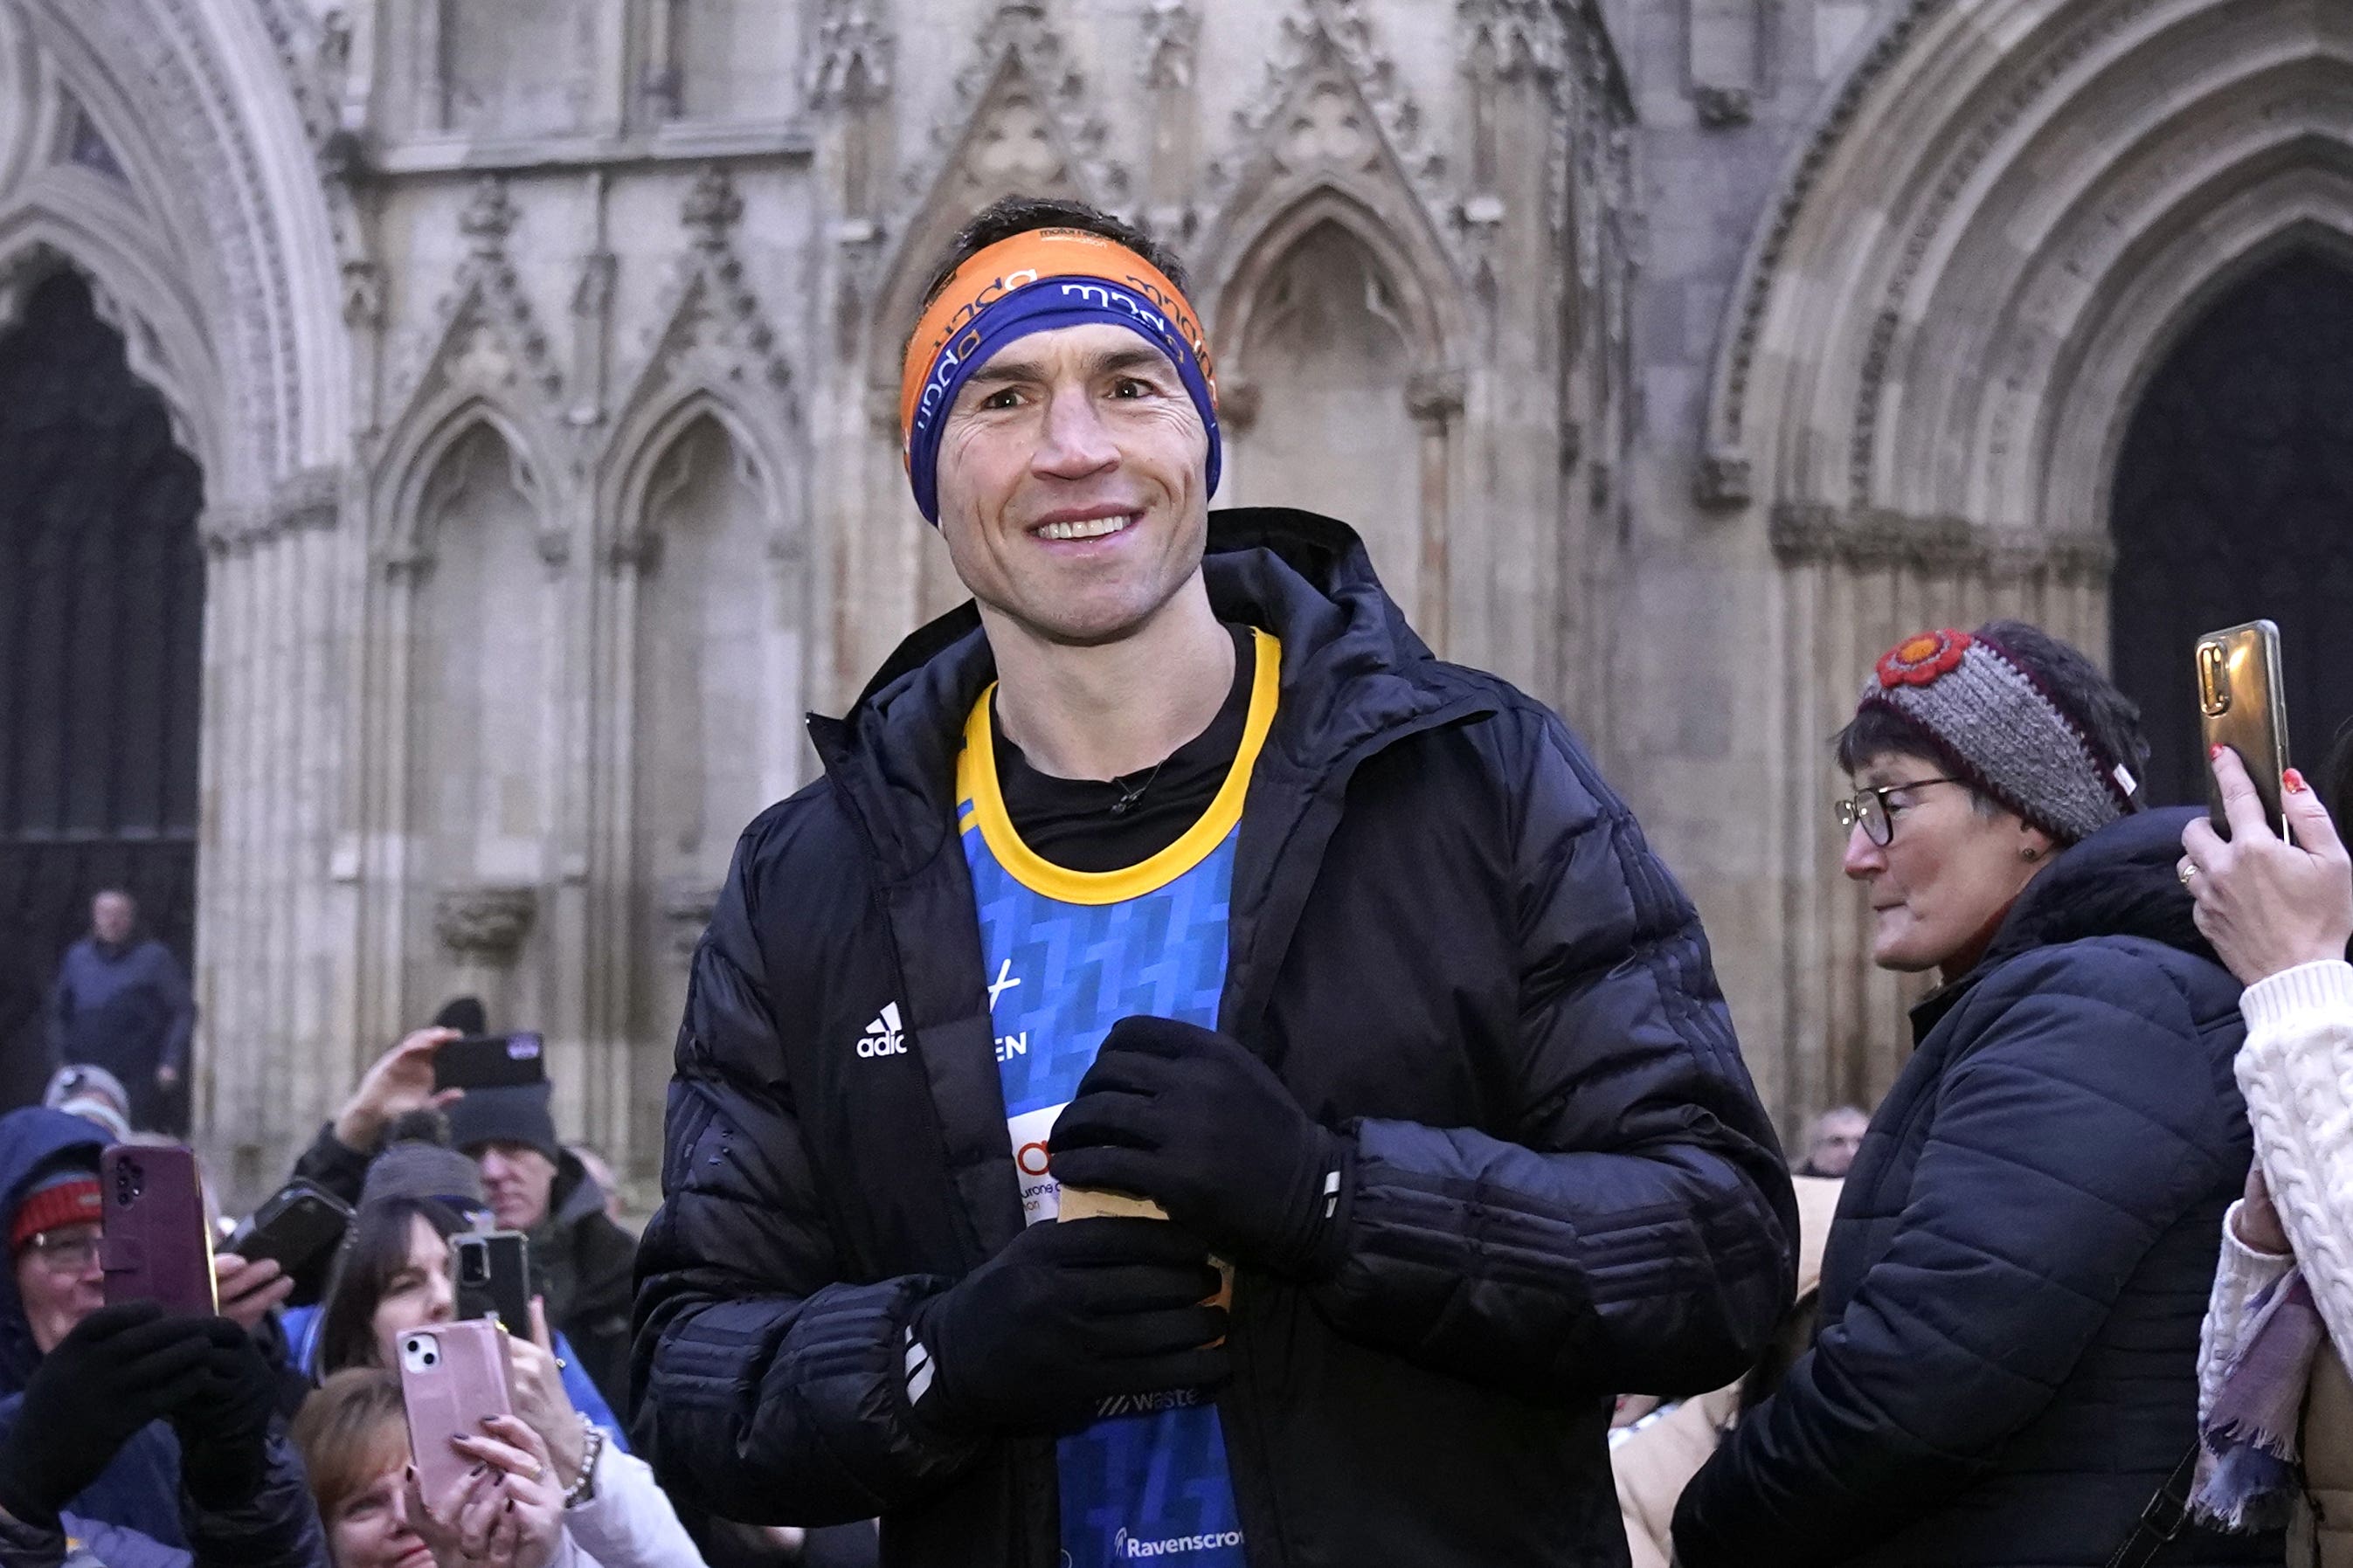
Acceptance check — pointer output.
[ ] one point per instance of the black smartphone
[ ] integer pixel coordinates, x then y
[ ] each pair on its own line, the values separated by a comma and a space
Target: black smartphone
490, 1061
298, 1224
492, 1269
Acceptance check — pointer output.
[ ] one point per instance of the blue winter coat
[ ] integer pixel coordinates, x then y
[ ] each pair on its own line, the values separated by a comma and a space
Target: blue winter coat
2006, 1367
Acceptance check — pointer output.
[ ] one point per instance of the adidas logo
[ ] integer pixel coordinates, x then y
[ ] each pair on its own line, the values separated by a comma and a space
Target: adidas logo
882, 1037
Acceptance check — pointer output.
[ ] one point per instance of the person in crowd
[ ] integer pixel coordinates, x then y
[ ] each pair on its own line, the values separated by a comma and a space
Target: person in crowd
1657, 1446
582, 1260
201, 1460
1344, 959
2005, 1370
120, 1370
396, 1084
583, 1263
597, 1510
123, 1003
93, 1094
511, 1514
2273, 1385
1832, 1140
394, 1275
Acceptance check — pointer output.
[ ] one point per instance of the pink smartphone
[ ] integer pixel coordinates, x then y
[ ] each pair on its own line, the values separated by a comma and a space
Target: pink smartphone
452, 1375
154, 1244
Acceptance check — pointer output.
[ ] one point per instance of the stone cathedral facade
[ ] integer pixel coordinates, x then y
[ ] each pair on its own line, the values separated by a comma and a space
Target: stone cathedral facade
539, 361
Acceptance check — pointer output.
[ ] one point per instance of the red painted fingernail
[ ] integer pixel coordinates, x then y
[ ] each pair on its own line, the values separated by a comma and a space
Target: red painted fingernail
2212, 753
2294, 781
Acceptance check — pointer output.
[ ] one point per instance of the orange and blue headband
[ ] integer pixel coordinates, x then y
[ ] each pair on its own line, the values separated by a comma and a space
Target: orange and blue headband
1034, 282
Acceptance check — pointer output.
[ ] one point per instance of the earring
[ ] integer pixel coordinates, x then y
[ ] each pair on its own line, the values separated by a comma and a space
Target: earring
2030, 854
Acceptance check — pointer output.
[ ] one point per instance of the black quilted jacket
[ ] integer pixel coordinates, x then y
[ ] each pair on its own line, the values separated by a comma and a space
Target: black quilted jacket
2007, 1364
1448, 938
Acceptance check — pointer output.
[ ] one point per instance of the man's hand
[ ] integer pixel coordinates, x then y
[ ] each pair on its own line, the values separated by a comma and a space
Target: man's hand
399, 1082
121, 1367
1190, 1119
249, 1292
2268, 906
1036, 1337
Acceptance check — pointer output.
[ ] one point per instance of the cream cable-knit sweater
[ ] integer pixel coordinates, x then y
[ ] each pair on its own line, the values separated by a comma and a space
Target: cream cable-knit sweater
2297, 1072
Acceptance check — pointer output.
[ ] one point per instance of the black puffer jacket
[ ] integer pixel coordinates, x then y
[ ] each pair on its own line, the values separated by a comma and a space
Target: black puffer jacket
1447, 937
2006, 1365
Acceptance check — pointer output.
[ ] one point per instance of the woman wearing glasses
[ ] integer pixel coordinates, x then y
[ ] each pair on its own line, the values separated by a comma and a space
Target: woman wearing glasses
2005, 1370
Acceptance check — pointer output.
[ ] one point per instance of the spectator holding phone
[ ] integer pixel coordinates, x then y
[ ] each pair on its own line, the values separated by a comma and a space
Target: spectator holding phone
509, 1514
395, 1279
2280, 1319
2006, 1368
119, 1420
584, 1264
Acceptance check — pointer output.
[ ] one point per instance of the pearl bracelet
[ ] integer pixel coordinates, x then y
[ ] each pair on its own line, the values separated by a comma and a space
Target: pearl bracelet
592, 1449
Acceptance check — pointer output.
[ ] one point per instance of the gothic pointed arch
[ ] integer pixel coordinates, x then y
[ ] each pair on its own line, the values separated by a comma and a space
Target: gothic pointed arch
1981, 247
1020, 125
1332, 121
1978, 255
484, 359
713, 353
135, 292
1340, 387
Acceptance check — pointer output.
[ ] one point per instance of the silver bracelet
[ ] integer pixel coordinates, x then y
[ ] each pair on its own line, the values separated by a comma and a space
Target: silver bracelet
584, 1489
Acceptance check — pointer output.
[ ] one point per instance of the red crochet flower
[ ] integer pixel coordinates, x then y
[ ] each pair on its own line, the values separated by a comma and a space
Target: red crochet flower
1919, 661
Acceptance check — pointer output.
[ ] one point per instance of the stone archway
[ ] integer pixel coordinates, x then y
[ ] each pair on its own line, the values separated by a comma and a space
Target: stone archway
101, 613
2233, 498
1979, 252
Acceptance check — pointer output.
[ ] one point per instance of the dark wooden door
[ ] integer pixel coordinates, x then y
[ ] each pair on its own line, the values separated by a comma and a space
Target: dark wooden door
2233, 501
101, 613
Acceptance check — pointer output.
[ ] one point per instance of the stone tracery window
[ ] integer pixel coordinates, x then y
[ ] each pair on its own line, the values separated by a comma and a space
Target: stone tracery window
1328, 360
480, 698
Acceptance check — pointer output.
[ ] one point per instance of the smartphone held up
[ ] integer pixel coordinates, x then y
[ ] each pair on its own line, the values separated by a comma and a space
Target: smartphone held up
153, 1243
2243, 704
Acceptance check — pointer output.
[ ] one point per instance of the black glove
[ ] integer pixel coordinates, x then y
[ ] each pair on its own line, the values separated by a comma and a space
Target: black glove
225, 1431
1190, 1119
1036, 1337
120, 1368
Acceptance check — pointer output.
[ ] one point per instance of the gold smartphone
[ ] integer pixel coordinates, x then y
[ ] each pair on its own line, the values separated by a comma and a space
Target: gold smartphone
2243, 704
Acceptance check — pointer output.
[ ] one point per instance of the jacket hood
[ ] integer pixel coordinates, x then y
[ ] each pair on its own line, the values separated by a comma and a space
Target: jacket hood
1352, 669
2121, 881
31, 1140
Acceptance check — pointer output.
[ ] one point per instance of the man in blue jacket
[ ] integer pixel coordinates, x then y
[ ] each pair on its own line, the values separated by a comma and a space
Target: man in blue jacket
1176, 879
122, 1003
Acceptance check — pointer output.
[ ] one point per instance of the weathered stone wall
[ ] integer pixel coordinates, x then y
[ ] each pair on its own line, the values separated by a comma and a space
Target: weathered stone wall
542, 357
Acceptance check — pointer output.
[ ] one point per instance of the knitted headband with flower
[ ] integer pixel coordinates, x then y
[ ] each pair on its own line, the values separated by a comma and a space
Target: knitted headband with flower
1994, 723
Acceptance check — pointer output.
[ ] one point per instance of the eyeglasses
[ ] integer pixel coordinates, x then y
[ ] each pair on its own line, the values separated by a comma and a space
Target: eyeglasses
65, 1251
1869, 807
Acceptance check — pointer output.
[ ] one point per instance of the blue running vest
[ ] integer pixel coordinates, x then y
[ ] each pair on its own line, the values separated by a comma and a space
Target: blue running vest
1069, 953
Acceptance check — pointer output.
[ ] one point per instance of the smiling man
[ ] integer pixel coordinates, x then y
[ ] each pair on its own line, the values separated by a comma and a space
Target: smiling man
1199, 1078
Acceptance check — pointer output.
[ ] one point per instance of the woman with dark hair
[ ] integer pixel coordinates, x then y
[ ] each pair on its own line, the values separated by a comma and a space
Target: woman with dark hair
2274, 1391
2006, 1368
394, 1278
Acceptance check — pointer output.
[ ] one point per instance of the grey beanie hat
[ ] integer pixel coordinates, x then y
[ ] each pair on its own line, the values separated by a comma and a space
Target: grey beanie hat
506, 1113
1985, 714
414, 1169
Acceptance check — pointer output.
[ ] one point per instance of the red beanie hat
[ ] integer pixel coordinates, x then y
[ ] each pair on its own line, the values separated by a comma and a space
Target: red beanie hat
67, 1197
